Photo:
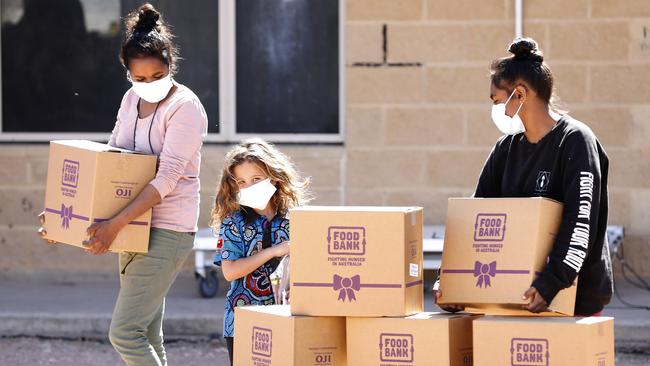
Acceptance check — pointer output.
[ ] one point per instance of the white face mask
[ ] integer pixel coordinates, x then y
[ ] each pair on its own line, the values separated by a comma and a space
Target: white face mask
154, 91
258, 195
507, 125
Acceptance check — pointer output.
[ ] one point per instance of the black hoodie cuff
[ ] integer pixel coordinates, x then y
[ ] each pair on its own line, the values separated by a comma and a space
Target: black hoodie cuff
548, 286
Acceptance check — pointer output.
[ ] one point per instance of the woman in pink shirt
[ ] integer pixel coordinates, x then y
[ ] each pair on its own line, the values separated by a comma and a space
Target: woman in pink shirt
162, 117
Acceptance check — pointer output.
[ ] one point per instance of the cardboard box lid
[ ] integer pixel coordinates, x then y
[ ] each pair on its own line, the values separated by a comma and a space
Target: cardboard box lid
515, 310
545, 320
425, 315
440, 316
277, 310
93, 146
282, 311
356, 209
503, 199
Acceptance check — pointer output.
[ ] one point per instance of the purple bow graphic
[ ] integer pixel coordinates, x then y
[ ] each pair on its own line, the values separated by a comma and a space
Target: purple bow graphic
66, 216
347, 286
484, 272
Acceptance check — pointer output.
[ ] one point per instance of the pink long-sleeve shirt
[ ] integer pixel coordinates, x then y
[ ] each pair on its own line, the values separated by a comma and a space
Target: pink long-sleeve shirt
177, 133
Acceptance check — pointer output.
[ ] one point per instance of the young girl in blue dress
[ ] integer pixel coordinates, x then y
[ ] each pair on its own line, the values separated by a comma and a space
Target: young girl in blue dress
258, 186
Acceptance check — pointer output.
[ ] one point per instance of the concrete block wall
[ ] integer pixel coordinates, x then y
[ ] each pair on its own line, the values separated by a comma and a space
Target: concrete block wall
418, 125
23, 169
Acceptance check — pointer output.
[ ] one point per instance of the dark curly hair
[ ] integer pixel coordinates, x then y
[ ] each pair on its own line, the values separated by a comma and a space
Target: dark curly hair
525, 65
292, 190
147, 35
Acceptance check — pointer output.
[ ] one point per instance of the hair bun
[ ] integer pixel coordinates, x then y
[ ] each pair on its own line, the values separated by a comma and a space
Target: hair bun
526, 49
148, 18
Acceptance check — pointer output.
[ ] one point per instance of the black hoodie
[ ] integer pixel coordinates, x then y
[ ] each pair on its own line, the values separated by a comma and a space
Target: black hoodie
570, 166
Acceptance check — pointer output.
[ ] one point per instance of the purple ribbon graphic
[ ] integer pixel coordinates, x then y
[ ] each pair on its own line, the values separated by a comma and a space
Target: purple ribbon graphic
347, 286
66, 216
484, 272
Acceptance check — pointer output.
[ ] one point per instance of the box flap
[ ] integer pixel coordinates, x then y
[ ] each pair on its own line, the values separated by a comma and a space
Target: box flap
502, 198
114, 149
94, 146
512, 310
83, 144
357, 208
595, 320
542, 320
441, 315
278, 310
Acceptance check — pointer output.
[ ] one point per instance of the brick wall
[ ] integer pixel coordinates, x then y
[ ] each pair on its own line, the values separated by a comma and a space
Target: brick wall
23, 170
418, 127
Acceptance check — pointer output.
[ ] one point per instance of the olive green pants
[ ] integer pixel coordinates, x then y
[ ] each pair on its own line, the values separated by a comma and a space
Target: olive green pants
145, 278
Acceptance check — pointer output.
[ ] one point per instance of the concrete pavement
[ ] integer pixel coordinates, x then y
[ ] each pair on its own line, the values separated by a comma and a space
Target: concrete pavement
83, 309
56, 308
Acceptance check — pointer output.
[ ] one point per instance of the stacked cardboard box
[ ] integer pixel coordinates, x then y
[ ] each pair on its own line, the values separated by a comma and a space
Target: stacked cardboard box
421, 339
357, 296
356, 261
89, 182
361, 266
270, 335
543, 341
493, 250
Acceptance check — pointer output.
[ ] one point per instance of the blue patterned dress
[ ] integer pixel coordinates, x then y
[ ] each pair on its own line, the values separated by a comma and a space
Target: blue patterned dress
241, 235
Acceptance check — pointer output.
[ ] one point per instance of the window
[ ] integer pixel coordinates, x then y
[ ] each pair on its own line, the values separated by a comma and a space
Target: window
59, 69
282, 68
287, 67
268, 68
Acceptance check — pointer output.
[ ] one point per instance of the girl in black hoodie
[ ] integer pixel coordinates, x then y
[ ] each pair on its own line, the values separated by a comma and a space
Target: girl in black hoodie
545, 154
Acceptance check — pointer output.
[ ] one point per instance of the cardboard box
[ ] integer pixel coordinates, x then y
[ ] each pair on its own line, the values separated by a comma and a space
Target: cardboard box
517, 341
271, 336
493, 250
423, 339
88, 182
356, 261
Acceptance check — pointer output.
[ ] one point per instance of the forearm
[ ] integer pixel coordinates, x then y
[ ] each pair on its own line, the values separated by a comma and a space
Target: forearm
148, 198
576, 236
233, 270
